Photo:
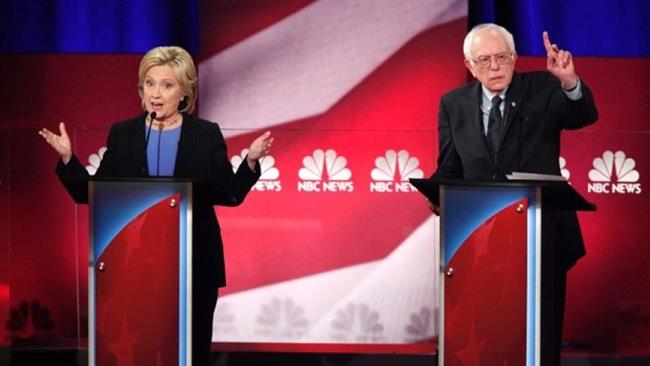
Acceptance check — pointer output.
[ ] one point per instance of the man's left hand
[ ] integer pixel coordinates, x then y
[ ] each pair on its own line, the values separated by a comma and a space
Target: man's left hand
560, 64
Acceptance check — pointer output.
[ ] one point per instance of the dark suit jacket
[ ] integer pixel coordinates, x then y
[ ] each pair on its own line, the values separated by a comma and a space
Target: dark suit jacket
536, 111
201, 154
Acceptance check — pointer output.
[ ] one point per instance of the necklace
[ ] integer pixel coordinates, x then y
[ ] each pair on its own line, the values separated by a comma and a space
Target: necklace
166, 125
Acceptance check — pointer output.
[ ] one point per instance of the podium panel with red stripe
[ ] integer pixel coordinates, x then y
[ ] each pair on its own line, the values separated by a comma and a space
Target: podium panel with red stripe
139, 282
491, 237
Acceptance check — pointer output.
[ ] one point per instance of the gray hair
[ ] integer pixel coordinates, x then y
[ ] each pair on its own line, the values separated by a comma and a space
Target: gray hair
491, 27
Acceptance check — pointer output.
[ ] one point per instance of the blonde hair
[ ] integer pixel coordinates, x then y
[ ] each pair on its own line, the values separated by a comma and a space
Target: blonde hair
183, 67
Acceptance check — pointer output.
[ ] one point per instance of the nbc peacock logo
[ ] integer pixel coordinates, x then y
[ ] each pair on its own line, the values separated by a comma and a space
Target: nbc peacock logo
392, 172
94, 160
563, 169
614, 173
325, 171
269, 180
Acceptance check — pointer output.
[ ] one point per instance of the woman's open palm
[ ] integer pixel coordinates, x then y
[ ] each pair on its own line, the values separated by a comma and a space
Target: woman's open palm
60, 143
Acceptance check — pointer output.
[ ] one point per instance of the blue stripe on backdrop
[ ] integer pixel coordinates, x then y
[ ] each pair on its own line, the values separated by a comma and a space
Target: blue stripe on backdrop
585, 27
111, 26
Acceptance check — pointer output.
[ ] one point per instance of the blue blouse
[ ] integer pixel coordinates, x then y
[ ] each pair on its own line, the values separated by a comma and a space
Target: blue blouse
161, 151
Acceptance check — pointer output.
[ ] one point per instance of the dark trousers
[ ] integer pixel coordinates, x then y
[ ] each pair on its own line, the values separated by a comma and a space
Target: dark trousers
554, 275
552, 319
203, 305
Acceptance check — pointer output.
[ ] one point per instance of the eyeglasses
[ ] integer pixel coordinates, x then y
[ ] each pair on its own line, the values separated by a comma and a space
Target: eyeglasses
501, 59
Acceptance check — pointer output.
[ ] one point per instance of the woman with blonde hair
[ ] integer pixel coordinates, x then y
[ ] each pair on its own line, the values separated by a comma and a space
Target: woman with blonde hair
166, 140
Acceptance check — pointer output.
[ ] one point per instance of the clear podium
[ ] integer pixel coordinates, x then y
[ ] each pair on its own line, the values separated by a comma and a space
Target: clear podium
139, 310
492, 238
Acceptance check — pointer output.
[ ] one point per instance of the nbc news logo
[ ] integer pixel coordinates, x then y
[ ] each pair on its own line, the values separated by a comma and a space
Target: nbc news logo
392, 172
94, 160
614, 173
324, 171
268, 179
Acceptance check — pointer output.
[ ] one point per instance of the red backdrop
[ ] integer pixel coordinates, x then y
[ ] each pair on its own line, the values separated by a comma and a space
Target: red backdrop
43, 235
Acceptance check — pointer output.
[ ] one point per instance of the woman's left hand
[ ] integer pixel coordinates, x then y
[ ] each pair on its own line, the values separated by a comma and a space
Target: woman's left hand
259, 148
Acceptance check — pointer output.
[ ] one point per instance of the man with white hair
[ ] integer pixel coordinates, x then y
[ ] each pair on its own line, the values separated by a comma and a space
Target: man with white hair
506, 121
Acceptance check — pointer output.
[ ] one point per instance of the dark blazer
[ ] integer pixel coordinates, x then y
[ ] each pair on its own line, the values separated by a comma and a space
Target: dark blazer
536, 112
202, 154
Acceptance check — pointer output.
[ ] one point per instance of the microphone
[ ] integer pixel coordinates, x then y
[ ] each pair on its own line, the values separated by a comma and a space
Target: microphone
152, 115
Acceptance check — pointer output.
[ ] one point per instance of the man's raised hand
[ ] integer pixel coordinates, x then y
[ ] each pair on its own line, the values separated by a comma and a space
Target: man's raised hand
560, 63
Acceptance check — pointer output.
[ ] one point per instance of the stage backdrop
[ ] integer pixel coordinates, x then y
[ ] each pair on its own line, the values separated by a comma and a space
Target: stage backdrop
335, 246
331, 247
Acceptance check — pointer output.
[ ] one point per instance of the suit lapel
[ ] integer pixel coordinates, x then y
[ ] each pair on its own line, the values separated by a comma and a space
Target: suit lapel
137, 143
474, 117
183, 164
514, 96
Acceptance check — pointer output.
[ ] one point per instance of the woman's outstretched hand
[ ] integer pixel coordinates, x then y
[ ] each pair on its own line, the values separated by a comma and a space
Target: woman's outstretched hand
60, 143
259, 148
